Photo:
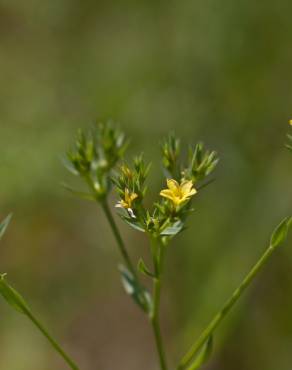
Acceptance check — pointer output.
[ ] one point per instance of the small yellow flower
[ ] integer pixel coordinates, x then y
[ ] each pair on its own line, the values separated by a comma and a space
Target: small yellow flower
290, 122
178, 193
129, 199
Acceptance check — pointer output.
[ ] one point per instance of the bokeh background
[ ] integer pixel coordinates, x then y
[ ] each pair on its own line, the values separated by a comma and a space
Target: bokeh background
213, 71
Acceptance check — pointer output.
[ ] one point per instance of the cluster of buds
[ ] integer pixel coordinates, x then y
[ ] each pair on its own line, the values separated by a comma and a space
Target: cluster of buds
130, 186
167, 216
170, 156
201, 163
94, 156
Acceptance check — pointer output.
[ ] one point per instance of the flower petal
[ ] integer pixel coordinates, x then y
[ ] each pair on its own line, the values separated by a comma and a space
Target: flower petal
167, 194
172, 184
131, 213
133, 196
192, 192
177, 201
186, 186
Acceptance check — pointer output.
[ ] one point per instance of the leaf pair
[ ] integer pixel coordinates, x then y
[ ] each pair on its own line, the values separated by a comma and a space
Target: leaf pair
132, 287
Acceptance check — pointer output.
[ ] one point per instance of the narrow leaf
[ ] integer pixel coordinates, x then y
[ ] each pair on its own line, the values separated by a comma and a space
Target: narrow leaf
205, 184
78, 193
4, 225
139, 294
133, 223
12, 297
173, 229
280, 233
69, 166
144, 269
203, 356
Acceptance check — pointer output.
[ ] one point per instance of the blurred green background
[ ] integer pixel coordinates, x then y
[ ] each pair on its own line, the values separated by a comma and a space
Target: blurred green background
213, 71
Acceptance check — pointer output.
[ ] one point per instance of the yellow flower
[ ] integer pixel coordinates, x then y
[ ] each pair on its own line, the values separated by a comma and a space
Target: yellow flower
127, 202
178, 193
290, 122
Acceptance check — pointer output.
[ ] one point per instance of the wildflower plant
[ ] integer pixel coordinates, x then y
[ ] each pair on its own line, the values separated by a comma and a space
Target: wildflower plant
160, 223
167, 216
98, 160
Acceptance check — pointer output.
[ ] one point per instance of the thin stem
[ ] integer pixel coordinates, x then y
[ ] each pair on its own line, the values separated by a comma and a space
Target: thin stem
226, 308
18, 303
118, 237
156, 328
158, 257
113, 225
53, 342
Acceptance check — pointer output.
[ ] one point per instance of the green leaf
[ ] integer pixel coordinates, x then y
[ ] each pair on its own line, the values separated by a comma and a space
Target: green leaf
280, 233
139, 294
12, 297
144, 269
174, 229
69, 166
4, 225
205, 184
203, 356
79, 194
133, 223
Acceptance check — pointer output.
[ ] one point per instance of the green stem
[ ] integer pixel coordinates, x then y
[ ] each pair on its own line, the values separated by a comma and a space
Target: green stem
158, 257
118, 237
53, 342
17, 301
226, 308
116, 232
